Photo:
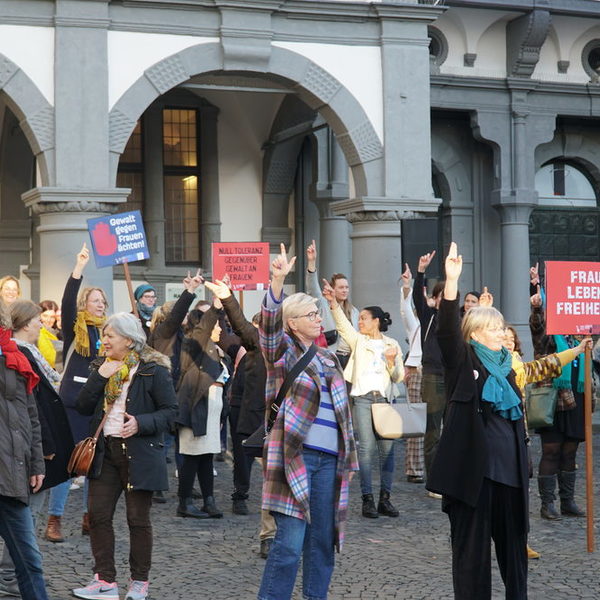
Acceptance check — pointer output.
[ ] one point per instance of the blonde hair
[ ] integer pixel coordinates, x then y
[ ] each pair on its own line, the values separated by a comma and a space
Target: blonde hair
161, 313
6, 278
294, 306
22, 311
480, 317
84, 294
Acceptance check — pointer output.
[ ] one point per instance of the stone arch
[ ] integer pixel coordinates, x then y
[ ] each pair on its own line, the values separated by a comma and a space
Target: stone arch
34, 112
315, 86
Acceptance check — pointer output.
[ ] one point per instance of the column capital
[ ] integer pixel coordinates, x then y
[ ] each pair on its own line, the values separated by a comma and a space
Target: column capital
402, 208
74, 200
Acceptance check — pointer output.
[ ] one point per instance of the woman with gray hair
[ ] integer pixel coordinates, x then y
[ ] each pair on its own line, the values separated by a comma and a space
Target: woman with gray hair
130, 393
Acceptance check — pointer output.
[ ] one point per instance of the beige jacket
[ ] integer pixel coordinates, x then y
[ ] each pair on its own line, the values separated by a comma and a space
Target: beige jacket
360, 356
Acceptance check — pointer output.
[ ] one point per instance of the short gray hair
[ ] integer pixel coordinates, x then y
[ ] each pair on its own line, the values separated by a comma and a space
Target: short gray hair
294, 306
128, 326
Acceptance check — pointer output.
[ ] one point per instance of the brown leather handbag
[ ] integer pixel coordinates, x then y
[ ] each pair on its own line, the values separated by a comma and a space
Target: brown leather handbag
83, 454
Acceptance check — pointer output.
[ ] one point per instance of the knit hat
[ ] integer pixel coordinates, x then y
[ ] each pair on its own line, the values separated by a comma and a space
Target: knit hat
140, 290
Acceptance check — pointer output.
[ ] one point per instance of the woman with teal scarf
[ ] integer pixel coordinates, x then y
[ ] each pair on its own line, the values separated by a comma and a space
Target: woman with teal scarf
481, 466
560, 441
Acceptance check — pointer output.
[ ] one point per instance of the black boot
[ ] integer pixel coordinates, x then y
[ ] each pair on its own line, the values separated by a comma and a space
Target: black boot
211, 508
187, 509
546, 487
566, 491
385, 507
368, 507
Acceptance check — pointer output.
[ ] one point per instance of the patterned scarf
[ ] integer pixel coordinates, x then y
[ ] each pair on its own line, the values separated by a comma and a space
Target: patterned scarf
51, 375
114, 385
563, 382
16, 360
496, 389
82, 339
145, 311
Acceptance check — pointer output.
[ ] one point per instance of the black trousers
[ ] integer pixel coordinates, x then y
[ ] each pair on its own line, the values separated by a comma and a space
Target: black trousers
498, 516
242, 463
200, 465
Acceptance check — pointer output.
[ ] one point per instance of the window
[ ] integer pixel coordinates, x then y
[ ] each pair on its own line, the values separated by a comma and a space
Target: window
131, 171
181, 176
438, 47
590, 58
562, 184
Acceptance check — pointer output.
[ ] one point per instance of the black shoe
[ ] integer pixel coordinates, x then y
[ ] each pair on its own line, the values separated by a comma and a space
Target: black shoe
159, 497
546, 486
187, 509
566, 491
368, 507
211, 508
239, 507
385, 507
415, 479
265, 547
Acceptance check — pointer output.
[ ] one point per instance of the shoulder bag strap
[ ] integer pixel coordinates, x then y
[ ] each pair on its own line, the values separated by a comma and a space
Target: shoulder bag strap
287, 382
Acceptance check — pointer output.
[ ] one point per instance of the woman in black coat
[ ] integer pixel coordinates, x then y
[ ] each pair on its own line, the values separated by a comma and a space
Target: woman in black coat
133, 389
481, 466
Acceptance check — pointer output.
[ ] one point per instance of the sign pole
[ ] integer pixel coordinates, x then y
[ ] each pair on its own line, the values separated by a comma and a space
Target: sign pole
589, 465
242, 300
130, 290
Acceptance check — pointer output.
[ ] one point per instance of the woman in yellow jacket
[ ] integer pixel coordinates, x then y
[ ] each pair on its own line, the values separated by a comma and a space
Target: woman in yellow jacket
375, 363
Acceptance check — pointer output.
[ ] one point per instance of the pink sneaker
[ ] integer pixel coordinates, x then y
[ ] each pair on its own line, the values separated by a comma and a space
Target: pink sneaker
138, 590
97, 589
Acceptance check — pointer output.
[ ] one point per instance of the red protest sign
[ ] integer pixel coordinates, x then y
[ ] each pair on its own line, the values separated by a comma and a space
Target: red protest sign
572, 297
246, 263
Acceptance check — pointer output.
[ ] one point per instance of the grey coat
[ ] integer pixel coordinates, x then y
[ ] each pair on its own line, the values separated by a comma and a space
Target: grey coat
20, 436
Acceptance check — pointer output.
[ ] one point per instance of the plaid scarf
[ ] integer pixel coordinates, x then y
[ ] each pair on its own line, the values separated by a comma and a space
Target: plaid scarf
114, 385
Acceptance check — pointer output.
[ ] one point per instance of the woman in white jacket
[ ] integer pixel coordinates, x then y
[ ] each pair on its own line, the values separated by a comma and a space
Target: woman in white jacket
375, 363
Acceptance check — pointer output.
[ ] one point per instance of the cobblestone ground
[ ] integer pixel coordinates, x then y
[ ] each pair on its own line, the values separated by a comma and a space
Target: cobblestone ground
406, 558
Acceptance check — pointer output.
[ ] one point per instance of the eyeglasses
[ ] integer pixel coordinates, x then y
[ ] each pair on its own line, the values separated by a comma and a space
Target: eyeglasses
149, 296
311, 316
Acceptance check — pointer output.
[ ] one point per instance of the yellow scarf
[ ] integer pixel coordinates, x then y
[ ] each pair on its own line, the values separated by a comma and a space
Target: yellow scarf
82, 339
114, 385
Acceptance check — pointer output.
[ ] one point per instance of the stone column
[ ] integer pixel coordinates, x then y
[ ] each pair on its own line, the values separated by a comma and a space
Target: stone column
377, 262
62, 231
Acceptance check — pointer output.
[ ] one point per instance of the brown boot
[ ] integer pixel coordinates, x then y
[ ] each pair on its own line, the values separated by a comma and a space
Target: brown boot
53, 532
85, 524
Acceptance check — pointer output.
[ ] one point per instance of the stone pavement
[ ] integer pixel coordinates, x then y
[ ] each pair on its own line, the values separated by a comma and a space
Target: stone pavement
407, 558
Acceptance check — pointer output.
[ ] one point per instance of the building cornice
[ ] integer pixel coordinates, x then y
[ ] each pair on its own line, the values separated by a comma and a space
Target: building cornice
578, 8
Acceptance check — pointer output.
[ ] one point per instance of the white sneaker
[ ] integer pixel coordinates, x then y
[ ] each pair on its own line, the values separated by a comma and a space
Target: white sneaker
434, 495
138, 590
98, 590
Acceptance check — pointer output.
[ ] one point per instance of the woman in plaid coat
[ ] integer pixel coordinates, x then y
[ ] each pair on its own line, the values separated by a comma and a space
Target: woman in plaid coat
310, 453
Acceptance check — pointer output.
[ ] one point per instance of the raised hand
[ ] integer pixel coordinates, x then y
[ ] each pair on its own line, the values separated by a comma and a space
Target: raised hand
281, 266
425, 261
406, 277
453, 263
218, 288
311, 257
486, 299
536, 299
227, 280
329, 294
191, 284
81, 260
534, 274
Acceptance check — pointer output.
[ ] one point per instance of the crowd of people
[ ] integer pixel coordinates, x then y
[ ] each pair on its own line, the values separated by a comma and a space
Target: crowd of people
301, 376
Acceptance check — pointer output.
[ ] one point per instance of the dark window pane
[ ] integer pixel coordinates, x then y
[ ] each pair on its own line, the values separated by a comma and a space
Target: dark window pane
559, 179
135, 181
179, 138
133, 150
182, 236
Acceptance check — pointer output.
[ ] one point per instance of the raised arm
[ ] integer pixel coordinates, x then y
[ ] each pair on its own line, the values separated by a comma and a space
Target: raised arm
411, 323
537, 325
314, 289
68, 305
342, 324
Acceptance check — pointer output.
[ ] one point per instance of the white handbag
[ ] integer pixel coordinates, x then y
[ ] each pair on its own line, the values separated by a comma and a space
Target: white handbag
399, 419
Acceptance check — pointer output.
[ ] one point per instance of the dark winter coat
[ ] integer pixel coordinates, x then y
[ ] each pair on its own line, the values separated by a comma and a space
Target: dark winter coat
252, 399
459, 467
428, 317
57, 438
20, 436
200, 368
151, 400
78, 367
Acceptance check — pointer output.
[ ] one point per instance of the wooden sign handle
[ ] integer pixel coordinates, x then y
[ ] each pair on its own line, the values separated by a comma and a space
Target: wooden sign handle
589, 460
130, 290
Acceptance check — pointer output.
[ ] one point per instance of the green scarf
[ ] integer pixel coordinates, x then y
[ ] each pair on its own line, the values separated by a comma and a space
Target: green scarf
563, 382
496, 389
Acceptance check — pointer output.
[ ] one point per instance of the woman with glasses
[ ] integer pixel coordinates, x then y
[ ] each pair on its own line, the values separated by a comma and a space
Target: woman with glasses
375, 363
481, 466
145, 298
310, 451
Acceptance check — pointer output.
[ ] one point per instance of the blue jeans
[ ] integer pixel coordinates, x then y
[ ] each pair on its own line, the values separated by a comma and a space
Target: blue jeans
59, 495
369, 443
296, 538
17, 531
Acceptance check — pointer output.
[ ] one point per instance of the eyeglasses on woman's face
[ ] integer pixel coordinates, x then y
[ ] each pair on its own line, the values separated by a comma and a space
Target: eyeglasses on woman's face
311, 316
